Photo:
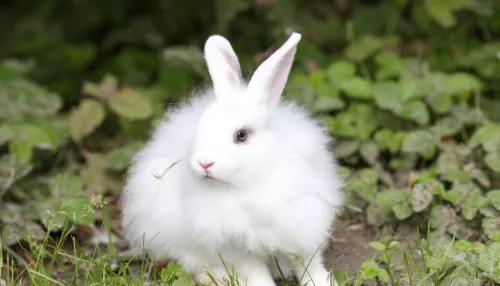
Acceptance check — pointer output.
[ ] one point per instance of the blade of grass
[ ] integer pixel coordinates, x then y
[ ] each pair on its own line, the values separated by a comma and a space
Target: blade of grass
45, 277
417, 267
408, 270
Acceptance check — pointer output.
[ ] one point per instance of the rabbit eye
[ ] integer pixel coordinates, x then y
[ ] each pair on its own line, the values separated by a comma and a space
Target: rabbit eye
241, 136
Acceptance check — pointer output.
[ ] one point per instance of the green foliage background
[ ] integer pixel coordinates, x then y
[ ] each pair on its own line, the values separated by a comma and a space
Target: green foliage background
409, 89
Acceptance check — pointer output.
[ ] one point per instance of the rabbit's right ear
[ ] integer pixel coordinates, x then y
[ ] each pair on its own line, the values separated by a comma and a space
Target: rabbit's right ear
223, 65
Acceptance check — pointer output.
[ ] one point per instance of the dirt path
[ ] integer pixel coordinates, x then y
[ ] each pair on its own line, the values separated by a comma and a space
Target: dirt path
349, 248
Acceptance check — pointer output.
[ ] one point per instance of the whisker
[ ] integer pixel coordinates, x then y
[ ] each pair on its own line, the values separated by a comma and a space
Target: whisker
242, 181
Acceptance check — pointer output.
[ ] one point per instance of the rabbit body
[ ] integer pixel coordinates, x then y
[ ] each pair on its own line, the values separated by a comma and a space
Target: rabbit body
273, 195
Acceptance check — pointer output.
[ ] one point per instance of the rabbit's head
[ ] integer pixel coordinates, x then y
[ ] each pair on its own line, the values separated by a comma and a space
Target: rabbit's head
232, 142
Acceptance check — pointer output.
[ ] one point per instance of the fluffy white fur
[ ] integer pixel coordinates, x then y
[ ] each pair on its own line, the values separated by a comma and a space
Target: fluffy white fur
274, 194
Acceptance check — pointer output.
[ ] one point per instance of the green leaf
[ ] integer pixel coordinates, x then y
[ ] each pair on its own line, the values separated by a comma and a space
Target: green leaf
441, 102
475, 117
357, 122
489, 262
404, 162
357, 87
387, 96
481, 177
416, 111
32, 135
168, 273
340, 71
370, 270
460, 191
377, 245
390, 65
369, 151
86, 118
67, 201
345, 148
20, 227
421, 196
15, 68
421, 142
391, 197
462, 245
393, 244
484, 59
94, 174
328, 103
19, 96
11, 170
343, 124
184, 278
377, 216
364, 114
25, 138
363, 48
131, 104
22, 149
425, 177
489, 211
460, 83
388, 140
344, 172
472, 205
436, 187
56, 127
383, 275
442, 217
364, 185
491, 227
494, 197
368, 274
326, 94
66, 185
299, 89
402, 211
488, 136
493, 161
447, 162
446, 126
414, 88
441, 11
120, 158
104, 90
6, 134
175, 275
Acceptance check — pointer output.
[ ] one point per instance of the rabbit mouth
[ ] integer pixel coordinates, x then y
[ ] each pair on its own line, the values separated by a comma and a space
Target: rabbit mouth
208, 176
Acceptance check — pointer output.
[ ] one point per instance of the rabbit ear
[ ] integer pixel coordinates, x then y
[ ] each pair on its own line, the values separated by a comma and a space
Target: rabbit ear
223, 65
269, 79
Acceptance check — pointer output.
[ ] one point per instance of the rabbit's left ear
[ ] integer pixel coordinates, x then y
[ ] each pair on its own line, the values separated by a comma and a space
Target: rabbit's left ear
223, 65
268, 81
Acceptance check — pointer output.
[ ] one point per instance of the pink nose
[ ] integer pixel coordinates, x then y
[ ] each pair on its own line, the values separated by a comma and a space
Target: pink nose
206, 165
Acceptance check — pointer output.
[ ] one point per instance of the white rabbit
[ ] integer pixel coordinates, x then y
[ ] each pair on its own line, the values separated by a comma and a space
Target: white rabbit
237, 175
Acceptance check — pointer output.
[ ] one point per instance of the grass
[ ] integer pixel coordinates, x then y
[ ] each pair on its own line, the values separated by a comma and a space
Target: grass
60, 260
54, 264
51, 263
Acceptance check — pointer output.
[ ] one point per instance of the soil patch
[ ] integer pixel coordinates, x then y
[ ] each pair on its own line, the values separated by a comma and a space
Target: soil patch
349, 247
